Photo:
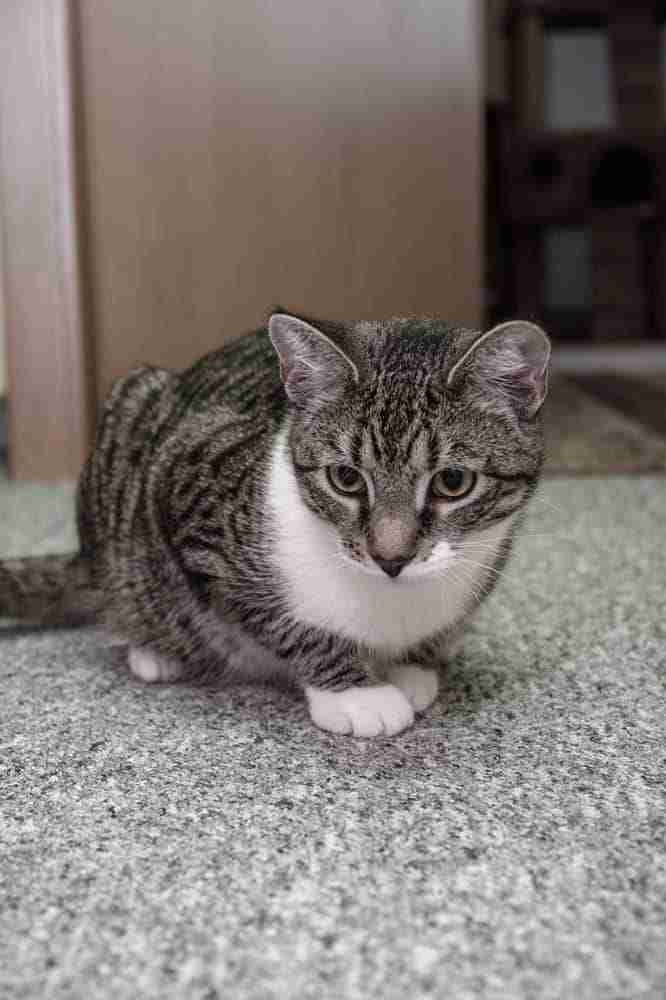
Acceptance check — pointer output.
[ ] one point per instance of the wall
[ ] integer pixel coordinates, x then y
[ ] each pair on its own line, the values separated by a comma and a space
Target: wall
323, 157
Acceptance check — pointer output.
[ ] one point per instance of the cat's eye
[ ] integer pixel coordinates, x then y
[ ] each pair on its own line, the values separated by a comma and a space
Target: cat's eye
452, 484
345, 479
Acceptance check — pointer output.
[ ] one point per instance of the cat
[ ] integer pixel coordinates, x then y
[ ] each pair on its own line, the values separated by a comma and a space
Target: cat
322, 502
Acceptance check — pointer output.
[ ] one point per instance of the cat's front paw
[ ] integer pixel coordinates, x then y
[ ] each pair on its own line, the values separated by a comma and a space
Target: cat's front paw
419, 685
151, 668
382, 710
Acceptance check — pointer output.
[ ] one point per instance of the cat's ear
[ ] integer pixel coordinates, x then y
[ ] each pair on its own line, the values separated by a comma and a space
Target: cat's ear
512, 360
313, 369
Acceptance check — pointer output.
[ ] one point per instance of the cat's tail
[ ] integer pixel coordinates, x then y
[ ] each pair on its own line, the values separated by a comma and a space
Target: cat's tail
49, 590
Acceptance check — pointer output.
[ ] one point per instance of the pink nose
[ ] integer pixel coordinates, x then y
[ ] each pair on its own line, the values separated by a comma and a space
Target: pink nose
392, 543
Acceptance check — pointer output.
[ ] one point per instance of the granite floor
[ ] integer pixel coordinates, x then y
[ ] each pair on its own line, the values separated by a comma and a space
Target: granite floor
176, 843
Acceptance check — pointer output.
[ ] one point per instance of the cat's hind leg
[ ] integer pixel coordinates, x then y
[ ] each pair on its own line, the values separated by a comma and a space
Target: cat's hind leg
151, 667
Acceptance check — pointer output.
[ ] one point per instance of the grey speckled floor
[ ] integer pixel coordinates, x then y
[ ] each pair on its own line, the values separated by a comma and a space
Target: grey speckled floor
174, 843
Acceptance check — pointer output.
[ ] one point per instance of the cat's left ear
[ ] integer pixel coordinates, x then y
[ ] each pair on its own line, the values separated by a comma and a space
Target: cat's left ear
313, 369
512, 359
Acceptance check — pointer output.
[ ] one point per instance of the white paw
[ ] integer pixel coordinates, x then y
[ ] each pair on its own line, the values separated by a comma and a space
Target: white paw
418, 684
150, 667
372, 711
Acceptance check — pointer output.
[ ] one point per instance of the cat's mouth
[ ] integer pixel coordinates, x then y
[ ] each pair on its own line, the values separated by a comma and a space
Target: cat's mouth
363, 564
417, 569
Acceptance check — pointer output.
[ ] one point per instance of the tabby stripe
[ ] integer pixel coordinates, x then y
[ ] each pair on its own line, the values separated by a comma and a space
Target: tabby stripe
515, 477
333, 679
411, 440
239, 446
135, 510
198, 454
201, 560
184, 488
224, 384
141, 417
244, 483
185, 516
288, 650
248, 391
195, 457
333, 661
203, 540
499, 515
251, 562
238, 532
123, 386
376, 446
355, 446
308, 645
433, 451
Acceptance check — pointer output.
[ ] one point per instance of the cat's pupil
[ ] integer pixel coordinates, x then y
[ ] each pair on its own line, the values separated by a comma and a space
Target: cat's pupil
347, 475
453, 479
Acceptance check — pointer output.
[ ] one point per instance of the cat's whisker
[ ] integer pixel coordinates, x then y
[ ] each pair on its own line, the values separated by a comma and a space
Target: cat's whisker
537, 498
539, 495
465, 559
462, 561
525, 533
469, 580
476, 548
449, 570
562, 511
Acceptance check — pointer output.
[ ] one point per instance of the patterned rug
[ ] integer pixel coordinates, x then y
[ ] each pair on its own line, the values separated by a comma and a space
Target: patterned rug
605, 425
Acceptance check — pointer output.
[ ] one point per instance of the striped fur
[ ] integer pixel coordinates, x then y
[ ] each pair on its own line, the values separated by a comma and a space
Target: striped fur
211, 538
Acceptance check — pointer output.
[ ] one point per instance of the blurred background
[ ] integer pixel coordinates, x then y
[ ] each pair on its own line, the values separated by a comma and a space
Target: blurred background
575, 195
169, 172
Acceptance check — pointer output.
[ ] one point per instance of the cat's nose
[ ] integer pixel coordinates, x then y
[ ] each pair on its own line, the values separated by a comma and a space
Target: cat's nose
392, 541
392, 567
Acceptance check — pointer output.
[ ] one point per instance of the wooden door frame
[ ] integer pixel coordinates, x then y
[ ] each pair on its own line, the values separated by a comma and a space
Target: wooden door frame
47, 305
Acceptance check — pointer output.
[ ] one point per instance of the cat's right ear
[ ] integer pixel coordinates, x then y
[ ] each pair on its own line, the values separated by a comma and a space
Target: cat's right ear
313, 369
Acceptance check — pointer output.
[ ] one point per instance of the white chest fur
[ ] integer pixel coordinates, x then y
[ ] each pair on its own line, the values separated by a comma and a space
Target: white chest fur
328, 591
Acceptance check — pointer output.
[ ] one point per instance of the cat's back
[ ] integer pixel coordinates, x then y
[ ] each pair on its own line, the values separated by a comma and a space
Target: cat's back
228, 408
150, 407
159, 428
243, 375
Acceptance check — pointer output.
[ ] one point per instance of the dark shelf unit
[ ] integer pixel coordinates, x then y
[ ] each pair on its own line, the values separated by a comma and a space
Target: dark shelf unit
610, 181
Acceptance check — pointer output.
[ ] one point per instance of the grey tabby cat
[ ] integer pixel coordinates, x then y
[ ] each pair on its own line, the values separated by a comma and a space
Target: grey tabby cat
318, 501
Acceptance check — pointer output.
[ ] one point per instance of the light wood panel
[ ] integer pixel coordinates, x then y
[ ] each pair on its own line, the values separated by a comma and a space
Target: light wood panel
323, 156
49, 363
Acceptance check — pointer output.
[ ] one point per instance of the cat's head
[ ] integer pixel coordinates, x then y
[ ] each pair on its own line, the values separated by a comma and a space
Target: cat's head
409, 436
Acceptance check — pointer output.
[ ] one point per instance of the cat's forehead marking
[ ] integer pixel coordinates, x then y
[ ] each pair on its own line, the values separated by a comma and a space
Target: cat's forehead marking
419, 456
409, 455
368, 454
